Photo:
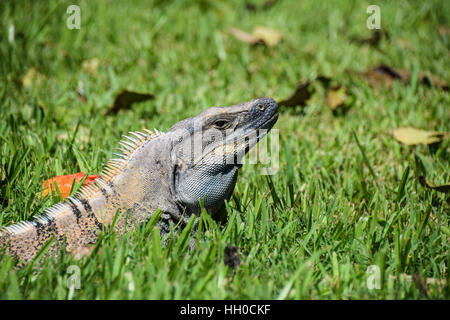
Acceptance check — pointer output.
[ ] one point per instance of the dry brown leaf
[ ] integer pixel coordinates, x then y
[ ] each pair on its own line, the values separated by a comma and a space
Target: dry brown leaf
260, 35
270, 37
412, 136
432, 80
383, 75
32, 78
231, 256
299, 97
125, 99
244, 36
442, 188
336, 97
91, 66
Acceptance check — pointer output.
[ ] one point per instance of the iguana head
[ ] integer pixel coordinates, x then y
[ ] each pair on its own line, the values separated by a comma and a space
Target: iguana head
208, 151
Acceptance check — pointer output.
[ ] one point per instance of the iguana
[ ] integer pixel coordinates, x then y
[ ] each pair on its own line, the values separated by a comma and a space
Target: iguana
196, 161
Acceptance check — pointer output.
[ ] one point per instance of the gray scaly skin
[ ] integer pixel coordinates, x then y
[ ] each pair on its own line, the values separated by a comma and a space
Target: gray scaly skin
197, 160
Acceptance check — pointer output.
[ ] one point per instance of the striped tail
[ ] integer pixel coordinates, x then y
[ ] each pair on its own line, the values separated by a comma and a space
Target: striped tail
71, 222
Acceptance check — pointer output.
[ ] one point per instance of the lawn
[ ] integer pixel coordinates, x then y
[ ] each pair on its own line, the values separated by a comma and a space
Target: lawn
346, 199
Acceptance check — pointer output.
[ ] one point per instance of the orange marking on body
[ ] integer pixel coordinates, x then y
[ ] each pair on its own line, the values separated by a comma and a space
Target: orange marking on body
64, 183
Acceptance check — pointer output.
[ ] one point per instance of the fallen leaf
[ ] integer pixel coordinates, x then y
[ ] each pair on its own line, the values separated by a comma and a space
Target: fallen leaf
383, 75
432, 80
32, 78
269, 36
299, 97
260, 35
244, 36
232, 256
125, 99
336, 97
412, 136
64, 183
442, 188
91, 66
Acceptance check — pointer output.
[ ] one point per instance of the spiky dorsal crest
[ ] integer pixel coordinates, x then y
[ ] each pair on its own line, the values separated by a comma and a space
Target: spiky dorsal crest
127, 147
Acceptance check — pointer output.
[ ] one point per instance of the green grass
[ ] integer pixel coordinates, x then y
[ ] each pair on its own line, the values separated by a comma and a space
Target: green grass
340, 202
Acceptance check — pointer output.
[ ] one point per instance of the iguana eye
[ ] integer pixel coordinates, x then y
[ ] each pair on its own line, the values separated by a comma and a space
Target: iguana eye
221, 124
261, 107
